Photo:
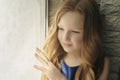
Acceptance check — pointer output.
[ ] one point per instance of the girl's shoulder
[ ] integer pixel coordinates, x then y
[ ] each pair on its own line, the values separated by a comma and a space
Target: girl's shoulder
105, 72
106, 59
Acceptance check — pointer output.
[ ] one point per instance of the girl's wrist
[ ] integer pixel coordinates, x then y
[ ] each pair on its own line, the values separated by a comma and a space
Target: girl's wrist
61, 77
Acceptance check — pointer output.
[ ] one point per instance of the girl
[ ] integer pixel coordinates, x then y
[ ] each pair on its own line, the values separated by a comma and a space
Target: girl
73, 46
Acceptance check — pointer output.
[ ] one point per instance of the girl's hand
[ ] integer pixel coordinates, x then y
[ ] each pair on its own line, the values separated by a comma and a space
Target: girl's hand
47, 67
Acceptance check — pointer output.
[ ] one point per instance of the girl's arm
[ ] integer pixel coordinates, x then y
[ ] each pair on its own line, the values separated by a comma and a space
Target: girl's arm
104, 75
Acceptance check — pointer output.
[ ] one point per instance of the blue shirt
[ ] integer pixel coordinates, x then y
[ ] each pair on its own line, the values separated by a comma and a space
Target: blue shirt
68, 72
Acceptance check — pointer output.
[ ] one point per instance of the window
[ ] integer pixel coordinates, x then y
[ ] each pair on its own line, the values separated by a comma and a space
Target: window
42, 29
23, 25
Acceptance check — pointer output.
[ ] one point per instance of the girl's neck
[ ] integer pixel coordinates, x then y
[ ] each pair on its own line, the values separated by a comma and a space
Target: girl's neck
72, 59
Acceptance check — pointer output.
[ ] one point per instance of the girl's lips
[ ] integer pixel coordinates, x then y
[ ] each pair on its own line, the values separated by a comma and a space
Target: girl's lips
66, 44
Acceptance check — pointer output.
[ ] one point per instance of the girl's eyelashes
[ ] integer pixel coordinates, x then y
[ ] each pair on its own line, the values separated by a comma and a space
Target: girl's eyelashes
60, 28
70, 31
75, 31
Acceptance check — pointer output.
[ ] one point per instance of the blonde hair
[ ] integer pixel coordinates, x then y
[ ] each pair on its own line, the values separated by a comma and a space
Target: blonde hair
91, 54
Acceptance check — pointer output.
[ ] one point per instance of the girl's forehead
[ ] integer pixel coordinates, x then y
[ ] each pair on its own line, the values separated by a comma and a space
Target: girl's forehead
72, 19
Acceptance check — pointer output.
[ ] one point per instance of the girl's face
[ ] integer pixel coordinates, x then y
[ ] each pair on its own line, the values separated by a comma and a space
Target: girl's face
70, 32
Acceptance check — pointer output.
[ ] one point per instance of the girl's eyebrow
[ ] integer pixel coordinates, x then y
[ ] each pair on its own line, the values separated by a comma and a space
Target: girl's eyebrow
59, 25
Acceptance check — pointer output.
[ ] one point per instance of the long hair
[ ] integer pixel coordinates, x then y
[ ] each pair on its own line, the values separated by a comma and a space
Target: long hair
91, 54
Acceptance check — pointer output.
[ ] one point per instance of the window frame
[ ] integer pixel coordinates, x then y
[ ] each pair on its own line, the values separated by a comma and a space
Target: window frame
42, 30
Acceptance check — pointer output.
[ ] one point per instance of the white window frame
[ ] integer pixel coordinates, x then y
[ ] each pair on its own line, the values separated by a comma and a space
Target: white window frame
43, 28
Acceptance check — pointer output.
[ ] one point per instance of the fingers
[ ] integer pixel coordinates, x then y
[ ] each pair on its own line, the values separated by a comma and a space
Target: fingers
42, 61
40, 53
40, 68
45, 62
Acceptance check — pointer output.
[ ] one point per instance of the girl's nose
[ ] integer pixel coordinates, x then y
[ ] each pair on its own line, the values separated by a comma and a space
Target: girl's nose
66, 36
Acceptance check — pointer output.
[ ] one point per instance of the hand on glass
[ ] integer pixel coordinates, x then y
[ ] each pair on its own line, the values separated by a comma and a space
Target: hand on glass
47, 67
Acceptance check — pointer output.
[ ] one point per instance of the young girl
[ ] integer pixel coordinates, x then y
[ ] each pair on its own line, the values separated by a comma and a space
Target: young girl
72, 49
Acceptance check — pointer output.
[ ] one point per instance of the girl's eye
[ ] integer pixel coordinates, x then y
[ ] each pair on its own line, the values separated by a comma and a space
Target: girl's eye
60, 28
75, 31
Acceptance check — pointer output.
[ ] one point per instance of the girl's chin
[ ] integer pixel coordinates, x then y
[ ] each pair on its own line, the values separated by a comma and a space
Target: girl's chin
68, 50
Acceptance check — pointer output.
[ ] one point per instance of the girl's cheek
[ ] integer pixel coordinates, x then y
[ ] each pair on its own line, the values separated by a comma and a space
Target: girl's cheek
59, 35
77, 39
